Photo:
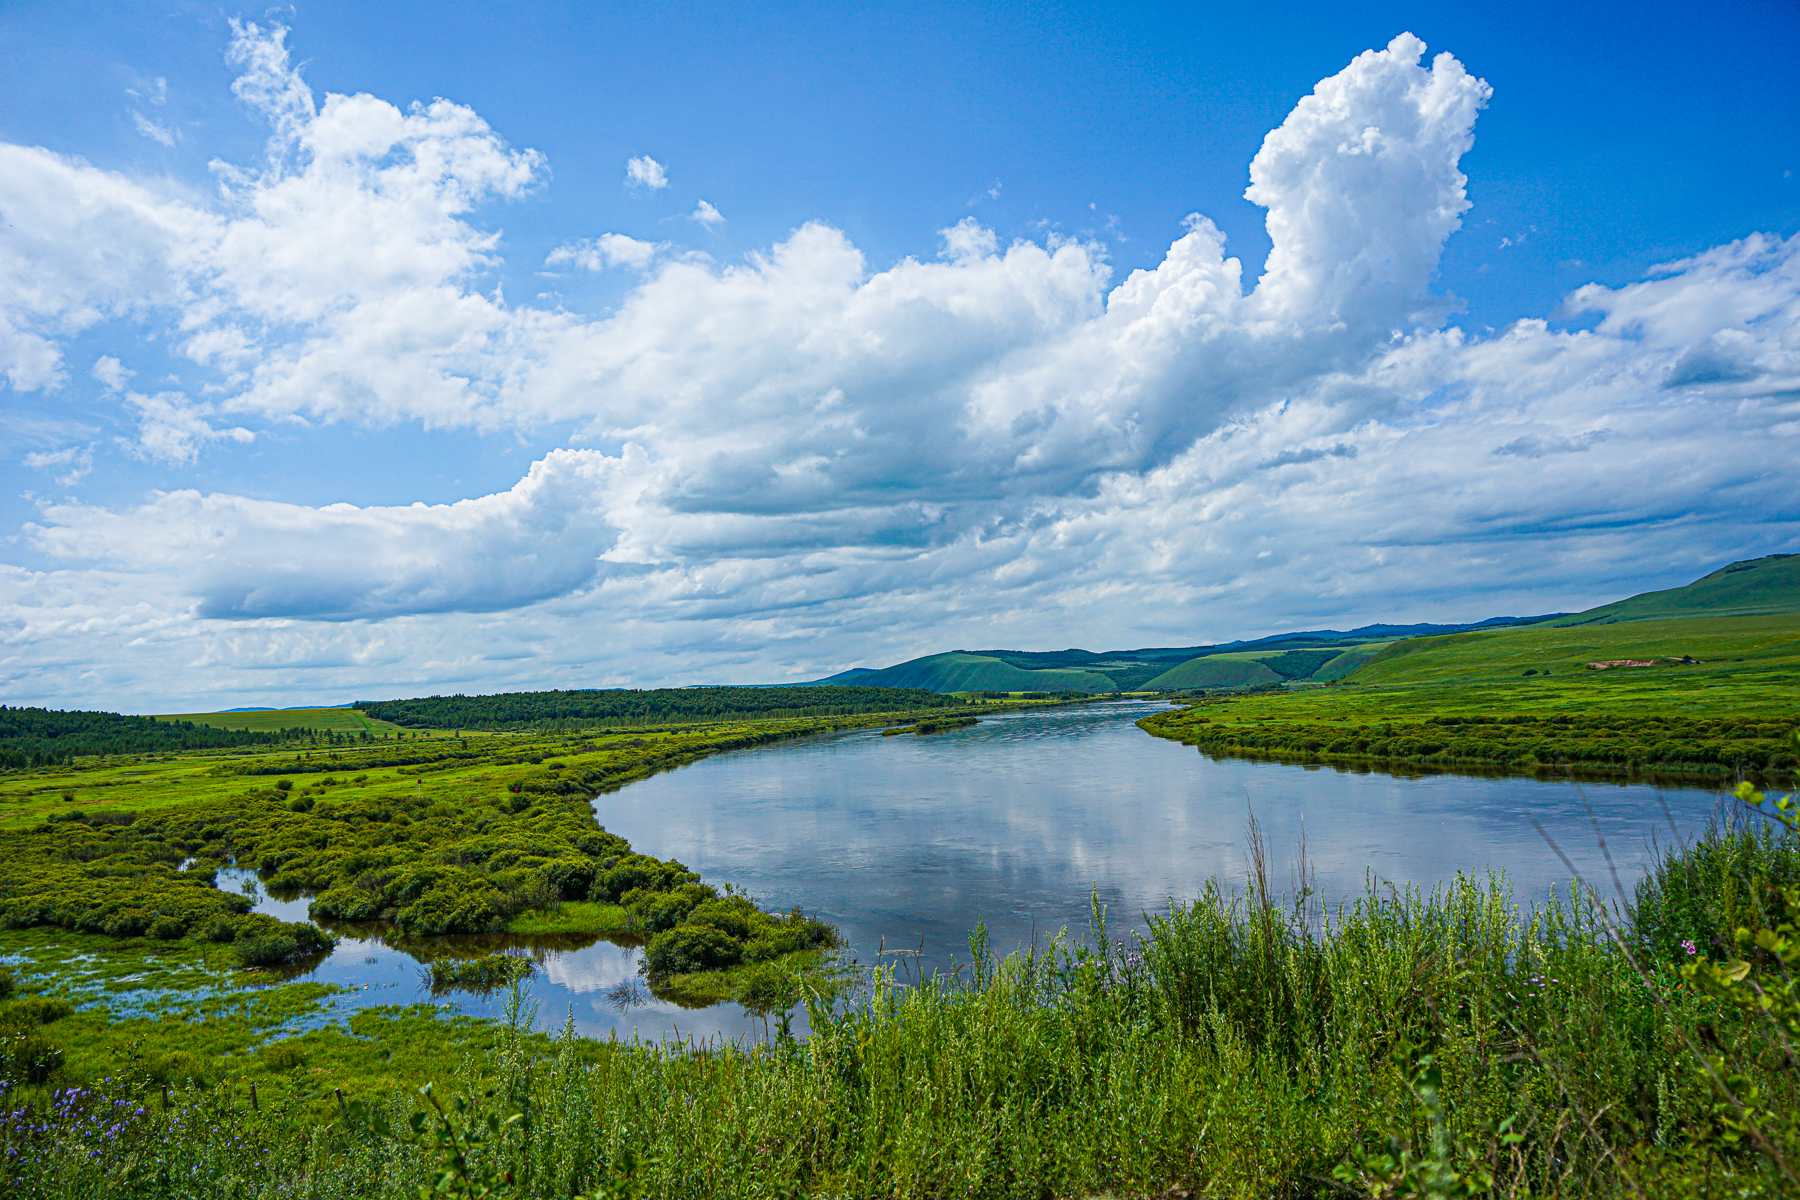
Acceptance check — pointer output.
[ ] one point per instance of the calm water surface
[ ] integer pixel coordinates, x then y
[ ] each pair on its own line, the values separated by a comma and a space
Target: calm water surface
907, 841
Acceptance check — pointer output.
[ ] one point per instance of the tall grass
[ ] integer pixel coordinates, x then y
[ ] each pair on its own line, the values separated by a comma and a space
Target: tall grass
1250, 1044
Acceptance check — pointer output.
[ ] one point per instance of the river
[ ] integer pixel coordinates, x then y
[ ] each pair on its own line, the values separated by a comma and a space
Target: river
905, 842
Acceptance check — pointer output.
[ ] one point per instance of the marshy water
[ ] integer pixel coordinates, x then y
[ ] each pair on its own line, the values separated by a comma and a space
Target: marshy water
908, 841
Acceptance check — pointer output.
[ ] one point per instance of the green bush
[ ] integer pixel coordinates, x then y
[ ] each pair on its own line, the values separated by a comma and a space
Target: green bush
269, 950
36, 1010
689, 948
180, 1068
27, 1053
282, 1056
659, 911
766, 988
733, 915
1699, 895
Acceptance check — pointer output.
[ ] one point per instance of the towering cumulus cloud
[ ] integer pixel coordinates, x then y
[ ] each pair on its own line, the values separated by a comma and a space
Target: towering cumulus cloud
825, 462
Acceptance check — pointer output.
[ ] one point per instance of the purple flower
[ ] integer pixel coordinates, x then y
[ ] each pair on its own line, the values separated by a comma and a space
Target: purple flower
1689, 947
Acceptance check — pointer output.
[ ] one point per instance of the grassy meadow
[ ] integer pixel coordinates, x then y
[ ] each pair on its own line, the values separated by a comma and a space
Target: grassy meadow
1524, 699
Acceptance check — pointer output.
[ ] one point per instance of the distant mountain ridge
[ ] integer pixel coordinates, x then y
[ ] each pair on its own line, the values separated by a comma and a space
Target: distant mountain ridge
1753, 587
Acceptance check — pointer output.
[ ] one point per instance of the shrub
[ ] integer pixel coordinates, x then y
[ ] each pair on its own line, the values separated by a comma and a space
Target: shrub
766, 988
347, 904
689, 948
180, 1067
36, 1010
270, 950
735, 916
27, 1053
659, 911
458, 903
282, 1056
219, 929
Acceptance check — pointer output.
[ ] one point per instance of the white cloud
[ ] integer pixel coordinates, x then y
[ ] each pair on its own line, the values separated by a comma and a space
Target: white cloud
161, 134
967, 241
239, 558
111, 373
607, 250
824, 462
172, 428
645, 172
707, 215
78, 461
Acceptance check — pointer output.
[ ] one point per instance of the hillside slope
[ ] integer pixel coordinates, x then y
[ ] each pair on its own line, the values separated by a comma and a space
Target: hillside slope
1211, 673
1753, 588
1717, 643
961, 671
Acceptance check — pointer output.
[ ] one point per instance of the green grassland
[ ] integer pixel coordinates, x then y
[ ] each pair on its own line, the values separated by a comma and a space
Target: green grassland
1216, 671
1523, 699
328, 720
1725, 647
1767, 586
960, 671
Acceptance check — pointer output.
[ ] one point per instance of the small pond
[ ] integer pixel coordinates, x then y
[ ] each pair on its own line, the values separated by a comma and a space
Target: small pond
905, 842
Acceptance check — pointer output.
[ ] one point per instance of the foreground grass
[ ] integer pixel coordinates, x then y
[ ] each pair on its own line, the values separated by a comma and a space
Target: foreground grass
1442, 1044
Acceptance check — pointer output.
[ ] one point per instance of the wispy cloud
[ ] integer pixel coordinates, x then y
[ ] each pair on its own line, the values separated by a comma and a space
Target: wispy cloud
707, 215
77, 461
160, 134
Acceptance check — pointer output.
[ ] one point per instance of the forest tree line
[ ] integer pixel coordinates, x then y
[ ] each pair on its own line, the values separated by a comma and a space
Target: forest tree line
42, 737
654, 706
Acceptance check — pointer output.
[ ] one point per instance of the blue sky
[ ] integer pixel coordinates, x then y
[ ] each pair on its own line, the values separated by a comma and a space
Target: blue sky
843, 376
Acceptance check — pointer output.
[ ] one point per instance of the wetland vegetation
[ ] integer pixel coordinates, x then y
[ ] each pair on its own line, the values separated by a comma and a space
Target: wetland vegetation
1247, 1044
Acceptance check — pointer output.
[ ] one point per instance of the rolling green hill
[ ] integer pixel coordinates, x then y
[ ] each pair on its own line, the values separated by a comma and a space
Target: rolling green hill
1316, 655
1718, 644
1752, 588
1757, 587
961, 671
1211, 673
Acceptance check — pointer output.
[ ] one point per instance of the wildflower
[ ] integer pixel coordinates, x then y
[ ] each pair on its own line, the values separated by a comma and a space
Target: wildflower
1688, 945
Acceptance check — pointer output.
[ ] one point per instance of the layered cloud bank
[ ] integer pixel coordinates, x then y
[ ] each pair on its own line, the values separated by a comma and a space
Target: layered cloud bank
824, 463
